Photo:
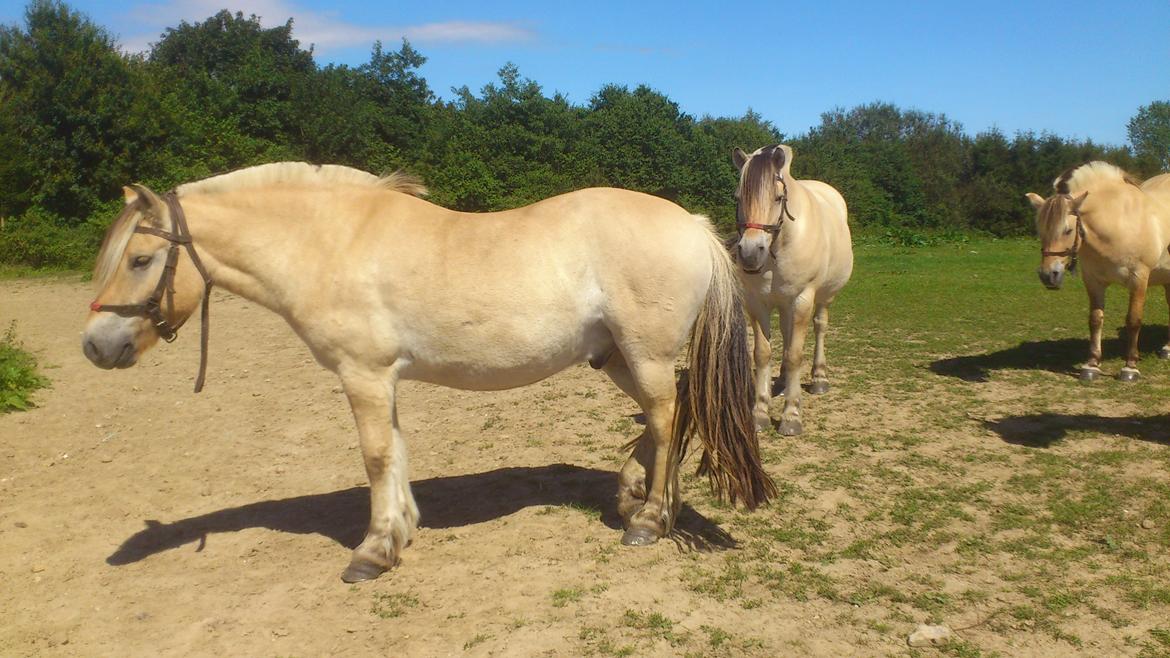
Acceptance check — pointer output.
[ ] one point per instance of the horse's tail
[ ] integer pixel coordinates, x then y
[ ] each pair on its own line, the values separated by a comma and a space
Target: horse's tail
716, 396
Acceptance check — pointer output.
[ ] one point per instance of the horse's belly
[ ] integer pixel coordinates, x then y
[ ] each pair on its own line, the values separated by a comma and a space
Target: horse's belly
493, 362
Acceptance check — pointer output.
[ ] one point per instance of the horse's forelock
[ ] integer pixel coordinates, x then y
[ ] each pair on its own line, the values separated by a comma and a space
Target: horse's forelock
1051, 218
757, 191
114, 244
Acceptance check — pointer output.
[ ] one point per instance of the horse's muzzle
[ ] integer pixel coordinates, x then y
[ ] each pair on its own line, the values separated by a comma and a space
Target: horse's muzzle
109, 354
1051, 278
753, 256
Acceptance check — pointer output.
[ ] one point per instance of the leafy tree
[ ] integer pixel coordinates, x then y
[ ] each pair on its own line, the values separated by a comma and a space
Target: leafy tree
79, 119
233, 82
1149, 134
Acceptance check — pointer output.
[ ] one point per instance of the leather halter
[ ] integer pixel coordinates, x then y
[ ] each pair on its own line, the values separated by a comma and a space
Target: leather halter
151, 309
774, 229
1071, 252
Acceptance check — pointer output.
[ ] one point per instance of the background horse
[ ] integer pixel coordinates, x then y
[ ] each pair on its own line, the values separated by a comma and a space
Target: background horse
1118, 230
385, 286
795, 254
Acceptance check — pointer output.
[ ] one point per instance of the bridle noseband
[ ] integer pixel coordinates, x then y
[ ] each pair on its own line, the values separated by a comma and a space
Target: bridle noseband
151, 309
1078, 238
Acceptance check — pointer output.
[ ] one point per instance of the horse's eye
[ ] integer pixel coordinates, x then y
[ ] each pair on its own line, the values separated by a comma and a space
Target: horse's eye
140, 262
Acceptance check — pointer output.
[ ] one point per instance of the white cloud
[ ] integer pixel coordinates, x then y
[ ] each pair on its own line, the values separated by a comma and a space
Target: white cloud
324, 30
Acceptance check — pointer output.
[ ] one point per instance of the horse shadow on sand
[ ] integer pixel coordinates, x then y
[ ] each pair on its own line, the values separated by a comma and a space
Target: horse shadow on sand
1042, 430
1060, 356
444, 502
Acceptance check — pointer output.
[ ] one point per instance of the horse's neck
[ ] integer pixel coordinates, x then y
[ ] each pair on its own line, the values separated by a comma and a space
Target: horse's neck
803, 222
244, 251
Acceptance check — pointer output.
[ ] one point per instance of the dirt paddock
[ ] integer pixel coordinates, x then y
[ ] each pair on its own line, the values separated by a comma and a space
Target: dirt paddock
137, 518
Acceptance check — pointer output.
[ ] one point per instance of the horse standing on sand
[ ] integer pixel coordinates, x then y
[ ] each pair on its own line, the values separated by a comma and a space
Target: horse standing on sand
384, 286
1118, 230
795, 254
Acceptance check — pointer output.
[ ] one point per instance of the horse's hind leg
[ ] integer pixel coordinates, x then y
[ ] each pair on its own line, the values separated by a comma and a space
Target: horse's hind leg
393, 513
820, 370
648, 498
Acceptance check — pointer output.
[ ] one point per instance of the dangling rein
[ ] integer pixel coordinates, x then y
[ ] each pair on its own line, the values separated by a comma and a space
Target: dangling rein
152, 307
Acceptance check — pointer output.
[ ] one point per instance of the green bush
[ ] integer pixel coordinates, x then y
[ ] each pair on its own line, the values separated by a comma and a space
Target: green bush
39, 239
18, 374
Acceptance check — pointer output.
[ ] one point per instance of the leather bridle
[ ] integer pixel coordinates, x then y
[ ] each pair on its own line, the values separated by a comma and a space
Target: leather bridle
1071, 252
151, 309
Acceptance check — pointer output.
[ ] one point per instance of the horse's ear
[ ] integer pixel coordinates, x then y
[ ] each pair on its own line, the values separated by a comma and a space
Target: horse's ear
149, 200
1078, 200
739, 158
782, 158
779, 157
1036, 200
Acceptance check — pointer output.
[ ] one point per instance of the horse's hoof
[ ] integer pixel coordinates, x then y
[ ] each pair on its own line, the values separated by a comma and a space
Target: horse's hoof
359, 570
639, 537
790, 427
819, 387
1164, 353
1129, 375
1090, 374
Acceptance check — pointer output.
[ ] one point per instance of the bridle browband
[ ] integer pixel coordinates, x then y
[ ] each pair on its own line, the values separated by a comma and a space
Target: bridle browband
774, 229
1078, 238
151, 309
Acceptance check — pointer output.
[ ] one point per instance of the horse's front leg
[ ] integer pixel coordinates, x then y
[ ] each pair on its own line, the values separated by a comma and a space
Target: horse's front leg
761, 321
796, 322
1096, 290
393, 513
1133, 328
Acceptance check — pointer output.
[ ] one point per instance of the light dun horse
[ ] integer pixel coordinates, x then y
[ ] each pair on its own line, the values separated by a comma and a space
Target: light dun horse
384, 286
1119, 231
795, 254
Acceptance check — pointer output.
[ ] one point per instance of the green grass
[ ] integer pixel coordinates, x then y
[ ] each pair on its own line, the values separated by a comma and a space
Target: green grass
957, 443
19, 378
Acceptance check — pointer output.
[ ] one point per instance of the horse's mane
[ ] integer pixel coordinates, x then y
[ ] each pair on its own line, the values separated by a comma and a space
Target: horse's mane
1078, 178
122, 228
304, 173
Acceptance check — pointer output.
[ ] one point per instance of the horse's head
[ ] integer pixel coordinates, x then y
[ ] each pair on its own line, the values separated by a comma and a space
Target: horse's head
1058, 223
761, 203
146, 287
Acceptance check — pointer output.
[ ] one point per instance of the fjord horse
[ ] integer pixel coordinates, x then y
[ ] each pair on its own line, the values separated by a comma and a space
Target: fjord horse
1118, 230
795, 254
383, 286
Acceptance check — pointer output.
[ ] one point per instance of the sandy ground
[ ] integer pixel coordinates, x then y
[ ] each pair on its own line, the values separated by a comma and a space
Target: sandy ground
137, 518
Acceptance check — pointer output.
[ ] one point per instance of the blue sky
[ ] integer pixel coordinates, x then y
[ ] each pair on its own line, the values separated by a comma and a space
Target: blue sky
1076, 69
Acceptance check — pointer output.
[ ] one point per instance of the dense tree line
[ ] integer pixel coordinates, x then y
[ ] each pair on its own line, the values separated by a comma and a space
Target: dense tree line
78, 119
